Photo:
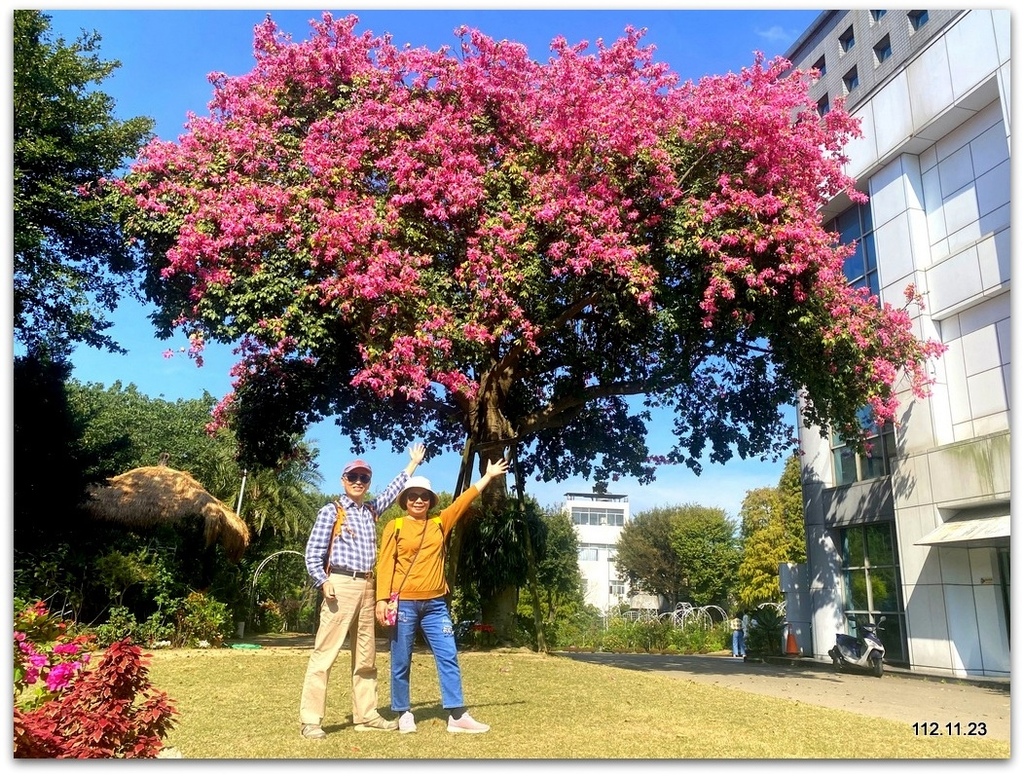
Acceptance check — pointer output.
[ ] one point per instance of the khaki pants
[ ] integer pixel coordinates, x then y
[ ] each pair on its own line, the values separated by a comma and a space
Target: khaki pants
351, 612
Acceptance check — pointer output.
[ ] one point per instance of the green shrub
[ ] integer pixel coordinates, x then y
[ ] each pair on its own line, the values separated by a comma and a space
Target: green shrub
765, 636
269, 618
120, 624
201, 620
695, 638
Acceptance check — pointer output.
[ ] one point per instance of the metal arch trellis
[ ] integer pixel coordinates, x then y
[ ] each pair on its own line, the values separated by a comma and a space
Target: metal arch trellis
686, 613
256, 574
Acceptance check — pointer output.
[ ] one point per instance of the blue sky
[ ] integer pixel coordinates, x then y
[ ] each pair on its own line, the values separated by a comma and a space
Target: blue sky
165, 57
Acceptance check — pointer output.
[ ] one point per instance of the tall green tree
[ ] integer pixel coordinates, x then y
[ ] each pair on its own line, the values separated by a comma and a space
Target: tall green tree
558, 570
644, 555
71, 263
133, 429
705, 543
791, 504
765, 546
51, 462
772, 531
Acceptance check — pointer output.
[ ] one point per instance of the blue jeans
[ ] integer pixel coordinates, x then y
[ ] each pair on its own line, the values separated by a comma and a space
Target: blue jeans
433, 621
738, 647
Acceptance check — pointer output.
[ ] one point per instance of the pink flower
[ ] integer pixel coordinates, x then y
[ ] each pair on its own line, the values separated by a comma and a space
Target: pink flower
60, 675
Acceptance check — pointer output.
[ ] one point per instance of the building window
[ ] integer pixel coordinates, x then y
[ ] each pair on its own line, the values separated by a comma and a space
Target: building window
850, 80
592, 552
883, 50
854, 225
820, 66
918, 19
597, 516
617, 587
823, 106
871, 577
846, 40
876, 16
877, 459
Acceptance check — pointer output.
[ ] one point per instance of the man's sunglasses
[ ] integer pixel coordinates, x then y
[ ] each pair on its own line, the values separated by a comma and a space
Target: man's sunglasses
363, 478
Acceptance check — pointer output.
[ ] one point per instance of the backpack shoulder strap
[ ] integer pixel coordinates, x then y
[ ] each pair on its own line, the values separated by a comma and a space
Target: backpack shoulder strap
339, 520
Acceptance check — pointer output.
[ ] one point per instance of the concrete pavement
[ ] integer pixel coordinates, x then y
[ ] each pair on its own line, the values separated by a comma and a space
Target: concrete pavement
898, 695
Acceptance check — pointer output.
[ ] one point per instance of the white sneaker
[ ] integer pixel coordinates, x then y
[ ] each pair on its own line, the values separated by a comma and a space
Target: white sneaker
406, 723
466, 724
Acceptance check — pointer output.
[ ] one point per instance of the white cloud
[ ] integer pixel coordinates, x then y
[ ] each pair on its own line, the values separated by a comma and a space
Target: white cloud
775, 34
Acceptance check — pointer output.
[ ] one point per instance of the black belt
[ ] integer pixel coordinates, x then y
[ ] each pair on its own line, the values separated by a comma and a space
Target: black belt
353, 574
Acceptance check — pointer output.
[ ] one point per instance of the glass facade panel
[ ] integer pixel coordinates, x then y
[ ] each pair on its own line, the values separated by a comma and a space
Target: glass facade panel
883, 589
871, 581
854, 264
857, 590
854, 226
877, 460
880, 549
845, 464
854, 544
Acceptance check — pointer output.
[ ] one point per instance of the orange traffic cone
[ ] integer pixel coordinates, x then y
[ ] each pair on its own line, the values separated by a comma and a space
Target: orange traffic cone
791, 647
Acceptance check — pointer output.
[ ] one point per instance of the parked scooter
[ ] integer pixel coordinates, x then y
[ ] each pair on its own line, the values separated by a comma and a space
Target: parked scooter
865, 650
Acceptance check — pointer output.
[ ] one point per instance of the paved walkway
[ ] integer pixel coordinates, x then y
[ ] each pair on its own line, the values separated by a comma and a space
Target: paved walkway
898, 695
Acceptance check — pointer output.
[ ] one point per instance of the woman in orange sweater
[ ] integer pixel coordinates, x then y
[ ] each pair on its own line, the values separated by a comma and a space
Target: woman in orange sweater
411, 563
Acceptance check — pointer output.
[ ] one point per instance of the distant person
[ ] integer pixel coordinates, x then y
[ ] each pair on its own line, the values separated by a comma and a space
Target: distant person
340, 554
738, 640
411, 564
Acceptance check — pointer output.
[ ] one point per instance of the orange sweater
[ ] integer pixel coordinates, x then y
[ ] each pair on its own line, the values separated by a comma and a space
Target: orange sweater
425, 578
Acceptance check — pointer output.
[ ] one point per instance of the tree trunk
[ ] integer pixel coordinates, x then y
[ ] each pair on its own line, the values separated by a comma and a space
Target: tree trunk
490, 436
499, 611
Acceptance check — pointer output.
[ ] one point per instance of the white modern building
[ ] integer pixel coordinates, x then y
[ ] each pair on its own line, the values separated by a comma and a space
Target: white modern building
598, 519
920, 531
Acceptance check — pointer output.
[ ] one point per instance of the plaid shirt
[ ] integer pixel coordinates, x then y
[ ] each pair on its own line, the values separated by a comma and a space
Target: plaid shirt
355, 546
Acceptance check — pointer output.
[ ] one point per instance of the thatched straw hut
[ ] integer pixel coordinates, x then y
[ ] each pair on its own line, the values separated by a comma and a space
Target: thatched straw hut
155, 495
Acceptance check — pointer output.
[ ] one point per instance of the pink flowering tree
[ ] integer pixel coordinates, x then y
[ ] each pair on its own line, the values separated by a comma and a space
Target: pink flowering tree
485, 251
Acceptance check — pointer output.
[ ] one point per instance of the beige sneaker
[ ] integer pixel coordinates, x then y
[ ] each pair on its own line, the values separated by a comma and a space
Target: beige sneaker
407, 723
466, 724
377, 723
313, 732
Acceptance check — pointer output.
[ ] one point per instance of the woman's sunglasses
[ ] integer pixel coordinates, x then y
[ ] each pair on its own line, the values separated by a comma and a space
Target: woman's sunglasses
363, 478
418, 496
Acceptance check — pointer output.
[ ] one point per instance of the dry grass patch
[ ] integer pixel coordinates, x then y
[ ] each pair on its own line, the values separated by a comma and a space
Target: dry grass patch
237, 704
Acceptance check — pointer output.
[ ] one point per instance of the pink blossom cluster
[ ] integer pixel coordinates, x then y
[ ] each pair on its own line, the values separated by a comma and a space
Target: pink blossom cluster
429, 200
45, 659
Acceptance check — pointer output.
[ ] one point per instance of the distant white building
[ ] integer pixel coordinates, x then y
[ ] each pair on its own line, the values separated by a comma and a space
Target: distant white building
599, 519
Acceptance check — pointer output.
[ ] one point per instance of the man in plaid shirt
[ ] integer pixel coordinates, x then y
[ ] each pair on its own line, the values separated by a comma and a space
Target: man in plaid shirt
349, 596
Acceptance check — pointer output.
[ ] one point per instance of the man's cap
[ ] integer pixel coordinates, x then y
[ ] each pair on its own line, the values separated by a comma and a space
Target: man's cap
357, 464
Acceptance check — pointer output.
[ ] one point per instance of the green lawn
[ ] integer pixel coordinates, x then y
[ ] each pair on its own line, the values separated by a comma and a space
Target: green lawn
243, 704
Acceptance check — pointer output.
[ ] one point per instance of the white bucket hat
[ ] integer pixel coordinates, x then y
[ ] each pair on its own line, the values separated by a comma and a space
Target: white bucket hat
417, 483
